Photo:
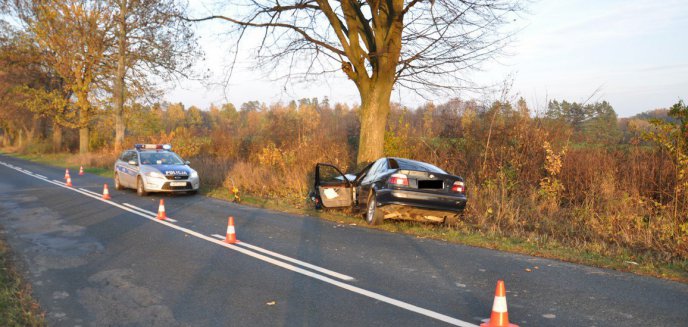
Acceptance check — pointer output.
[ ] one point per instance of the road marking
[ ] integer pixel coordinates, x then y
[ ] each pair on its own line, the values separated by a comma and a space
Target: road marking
148, 212
292, 260
85, 190
351, 288
40, 176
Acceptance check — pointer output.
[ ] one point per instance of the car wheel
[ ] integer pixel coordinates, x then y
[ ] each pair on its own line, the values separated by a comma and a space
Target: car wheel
140, 188
373, 215
118, 185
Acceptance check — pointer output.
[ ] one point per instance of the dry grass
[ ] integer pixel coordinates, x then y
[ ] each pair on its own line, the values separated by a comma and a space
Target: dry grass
17, 308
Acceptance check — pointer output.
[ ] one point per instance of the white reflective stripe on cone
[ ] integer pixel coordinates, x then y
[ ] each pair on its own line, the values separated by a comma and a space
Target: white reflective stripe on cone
499, 304
230, 230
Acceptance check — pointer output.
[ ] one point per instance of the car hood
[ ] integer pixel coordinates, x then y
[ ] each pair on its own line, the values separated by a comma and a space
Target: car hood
171, 170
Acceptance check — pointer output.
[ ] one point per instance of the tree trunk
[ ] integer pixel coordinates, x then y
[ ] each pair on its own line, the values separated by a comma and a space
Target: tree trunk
83, 140
83, 122
57, 137
374, 113
119, 79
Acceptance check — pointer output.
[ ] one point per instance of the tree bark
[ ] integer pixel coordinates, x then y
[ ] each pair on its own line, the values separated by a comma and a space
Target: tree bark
83, 122
374, 113
83, 140
119, 78
57, 137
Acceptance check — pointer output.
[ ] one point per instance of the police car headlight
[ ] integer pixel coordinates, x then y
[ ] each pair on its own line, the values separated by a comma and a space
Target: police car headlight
155, 174
194, 174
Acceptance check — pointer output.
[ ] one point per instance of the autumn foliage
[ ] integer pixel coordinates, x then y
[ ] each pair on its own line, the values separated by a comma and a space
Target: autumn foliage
617, 189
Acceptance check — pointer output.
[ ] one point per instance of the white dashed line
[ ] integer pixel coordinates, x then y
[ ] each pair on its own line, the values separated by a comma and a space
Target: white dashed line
148, 212
292, 260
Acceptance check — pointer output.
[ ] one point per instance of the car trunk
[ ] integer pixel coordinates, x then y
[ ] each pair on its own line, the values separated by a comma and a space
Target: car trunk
429, 181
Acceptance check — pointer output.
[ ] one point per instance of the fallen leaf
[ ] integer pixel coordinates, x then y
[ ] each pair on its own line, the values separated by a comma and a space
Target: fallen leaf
528, 270
536, 267
271, 303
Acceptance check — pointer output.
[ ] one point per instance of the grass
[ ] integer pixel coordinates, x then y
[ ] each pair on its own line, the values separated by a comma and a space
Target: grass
620, 259
17, 308
63, 160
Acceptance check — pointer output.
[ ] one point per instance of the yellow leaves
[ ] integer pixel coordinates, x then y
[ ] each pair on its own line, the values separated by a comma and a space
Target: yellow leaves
270, 155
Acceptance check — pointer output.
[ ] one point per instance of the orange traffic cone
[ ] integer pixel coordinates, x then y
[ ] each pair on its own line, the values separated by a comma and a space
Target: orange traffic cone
161, 210
81, 170
66, 173
231, 233
499, 316
69, 181
106, 193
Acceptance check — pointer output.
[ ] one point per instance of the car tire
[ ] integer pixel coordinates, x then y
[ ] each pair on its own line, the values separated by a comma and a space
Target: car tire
140, 188
118, 185
373, 216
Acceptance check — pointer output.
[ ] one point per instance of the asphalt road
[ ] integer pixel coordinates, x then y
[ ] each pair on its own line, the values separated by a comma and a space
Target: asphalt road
98, 263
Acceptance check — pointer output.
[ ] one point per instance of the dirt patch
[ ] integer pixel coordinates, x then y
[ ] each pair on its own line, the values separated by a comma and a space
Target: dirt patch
54, 244
115, 297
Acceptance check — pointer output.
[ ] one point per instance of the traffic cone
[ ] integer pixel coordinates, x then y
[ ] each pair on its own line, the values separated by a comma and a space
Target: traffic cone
161, 210
69, 181
231, 233
81, 170
66, 173
106, 193
499, 316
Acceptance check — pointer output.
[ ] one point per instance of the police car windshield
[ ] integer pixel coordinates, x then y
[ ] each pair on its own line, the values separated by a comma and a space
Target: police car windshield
160, 158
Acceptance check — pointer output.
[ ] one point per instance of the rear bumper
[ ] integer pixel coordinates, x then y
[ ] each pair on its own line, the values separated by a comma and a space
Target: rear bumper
430, 201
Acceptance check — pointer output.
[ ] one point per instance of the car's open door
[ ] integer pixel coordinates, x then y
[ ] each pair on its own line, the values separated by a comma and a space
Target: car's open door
333, 188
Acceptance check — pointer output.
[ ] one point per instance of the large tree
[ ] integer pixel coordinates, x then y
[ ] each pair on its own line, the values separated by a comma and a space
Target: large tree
420, 45
151, 40
74, 38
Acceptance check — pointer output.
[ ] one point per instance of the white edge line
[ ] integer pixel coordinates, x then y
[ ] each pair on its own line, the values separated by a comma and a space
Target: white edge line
351, 288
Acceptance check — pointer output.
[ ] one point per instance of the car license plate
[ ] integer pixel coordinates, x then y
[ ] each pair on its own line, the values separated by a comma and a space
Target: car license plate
177, 183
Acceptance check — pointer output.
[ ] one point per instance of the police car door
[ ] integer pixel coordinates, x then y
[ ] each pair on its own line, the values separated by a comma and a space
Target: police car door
130, 168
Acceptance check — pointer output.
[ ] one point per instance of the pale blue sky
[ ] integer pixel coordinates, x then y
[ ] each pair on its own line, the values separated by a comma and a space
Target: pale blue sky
635, 52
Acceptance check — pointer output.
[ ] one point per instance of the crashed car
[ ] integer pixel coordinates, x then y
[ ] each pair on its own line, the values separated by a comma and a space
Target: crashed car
392, 188
154, 168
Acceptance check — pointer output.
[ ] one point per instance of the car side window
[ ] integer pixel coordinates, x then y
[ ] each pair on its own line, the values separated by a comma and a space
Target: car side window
123, 157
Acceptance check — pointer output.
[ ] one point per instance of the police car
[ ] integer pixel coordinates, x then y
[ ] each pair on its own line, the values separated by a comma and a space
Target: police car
154, 168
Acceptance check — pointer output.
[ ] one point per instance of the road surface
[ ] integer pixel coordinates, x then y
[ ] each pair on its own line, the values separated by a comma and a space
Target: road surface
95, 263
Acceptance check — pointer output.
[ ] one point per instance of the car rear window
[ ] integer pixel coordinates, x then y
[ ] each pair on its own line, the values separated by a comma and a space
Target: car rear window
407, 164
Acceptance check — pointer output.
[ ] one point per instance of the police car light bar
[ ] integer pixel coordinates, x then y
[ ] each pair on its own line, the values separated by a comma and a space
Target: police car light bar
153, 146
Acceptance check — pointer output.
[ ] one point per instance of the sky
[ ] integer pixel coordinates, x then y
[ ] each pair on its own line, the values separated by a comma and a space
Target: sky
631, 53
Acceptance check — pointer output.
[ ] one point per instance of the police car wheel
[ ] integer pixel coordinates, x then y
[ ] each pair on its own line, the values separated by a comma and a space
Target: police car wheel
140, 188
118, 185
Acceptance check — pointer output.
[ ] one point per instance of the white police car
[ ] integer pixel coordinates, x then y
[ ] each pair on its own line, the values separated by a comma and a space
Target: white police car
154, 168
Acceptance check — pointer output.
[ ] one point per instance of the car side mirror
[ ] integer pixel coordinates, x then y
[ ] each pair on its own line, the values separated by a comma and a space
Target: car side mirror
187, 162
132, 162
